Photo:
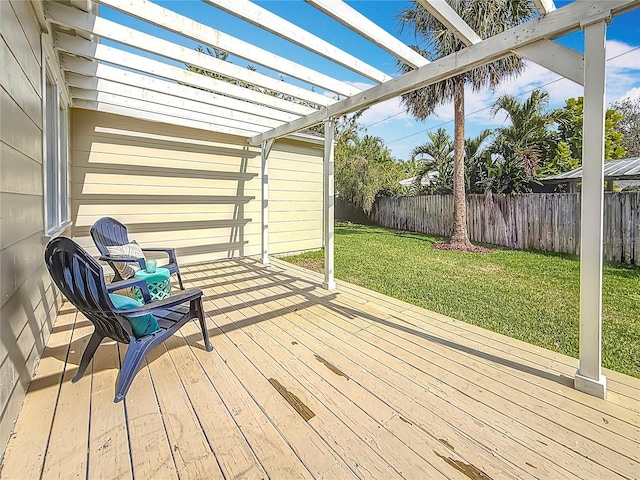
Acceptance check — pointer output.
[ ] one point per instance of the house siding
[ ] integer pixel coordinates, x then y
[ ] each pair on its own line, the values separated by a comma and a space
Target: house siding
295, 197
194, 190
29, 303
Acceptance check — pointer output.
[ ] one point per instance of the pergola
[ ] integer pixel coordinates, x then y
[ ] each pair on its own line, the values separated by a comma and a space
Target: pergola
110, 79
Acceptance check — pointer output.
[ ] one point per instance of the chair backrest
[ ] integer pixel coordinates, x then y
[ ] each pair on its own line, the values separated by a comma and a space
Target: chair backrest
80, 278
108, 232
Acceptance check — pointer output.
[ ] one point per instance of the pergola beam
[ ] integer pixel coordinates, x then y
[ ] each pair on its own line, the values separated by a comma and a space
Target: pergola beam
271, 22
104, 28
557, 58
450, 19
357, 22
553, 25
165, 18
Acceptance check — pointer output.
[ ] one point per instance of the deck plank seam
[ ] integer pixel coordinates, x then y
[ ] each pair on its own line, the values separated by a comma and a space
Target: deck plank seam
59, 390
165, 427
337, 390
529, 426
498, 379
362, 292
580, 398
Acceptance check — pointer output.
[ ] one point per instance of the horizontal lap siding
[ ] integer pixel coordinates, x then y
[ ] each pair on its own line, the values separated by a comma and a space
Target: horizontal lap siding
190, 189
295, 197
172, 186
28, 302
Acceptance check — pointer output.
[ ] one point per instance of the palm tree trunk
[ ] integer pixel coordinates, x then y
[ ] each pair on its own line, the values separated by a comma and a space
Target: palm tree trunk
459, 237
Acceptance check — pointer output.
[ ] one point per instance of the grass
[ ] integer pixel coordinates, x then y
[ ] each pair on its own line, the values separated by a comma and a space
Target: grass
531, 296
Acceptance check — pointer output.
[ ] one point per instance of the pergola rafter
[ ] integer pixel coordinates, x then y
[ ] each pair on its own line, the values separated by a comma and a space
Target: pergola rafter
555, 24
86, 74
449, 18
105, 53
165, 18
351, 18
263, 18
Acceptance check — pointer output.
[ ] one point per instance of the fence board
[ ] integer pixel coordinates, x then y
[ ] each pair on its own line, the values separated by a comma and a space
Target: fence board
537, 221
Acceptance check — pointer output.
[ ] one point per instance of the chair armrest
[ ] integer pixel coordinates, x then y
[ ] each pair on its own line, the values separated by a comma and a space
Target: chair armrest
182, 297
131, 282
171, 252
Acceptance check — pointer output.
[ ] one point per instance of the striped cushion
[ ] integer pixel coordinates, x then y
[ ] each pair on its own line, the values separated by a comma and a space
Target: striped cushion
133, 250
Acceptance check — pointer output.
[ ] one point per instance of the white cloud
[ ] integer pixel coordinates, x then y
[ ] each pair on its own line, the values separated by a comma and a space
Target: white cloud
384, 112
617, 57
633, 94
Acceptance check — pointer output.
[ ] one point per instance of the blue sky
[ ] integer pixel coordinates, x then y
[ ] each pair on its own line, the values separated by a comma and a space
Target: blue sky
400, 132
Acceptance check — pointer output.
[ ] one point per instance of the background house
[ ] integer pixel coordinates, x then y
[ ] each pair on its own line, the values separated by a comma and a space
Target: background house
625, 172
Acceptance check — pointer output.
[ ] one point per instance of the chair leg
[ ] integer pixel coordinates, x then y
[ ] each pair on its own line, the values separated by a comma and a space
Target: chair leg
199, 311
87, 355
180, 279
134, 357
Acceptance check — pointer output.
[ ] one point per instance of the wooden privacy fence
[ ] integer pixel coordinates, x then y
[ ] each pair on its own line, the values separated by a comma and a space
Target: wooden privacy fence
536, 221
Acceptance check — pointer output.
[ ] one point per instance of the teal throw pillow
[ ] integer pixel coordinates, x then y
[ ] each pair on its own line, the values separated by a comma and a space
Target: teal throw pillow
141, 326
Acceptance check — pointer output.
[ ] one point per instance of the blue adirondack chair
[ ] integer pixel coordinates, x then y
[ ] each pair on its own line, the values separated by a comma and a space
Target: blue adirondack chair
80, 278
110, 232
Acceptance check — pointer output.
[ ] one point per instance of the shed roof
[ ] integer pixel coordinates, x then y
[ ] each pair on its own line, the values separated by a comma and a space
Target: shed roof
623, 169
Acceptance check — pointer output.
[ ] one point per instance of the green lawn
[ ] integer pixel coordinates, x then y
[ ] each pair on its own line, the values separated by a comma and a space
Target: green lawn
530, 296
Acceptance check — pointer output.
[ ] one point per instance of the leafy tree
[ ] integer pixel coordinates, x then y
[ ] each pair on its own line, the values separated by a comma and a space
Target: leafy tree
562, 161
629, 125
364, 167
570, 130
438, 156
486, 18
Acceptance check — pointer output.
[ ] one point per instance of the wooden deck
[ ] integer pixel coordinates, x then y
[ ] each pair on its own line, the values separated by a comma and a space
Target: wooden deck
305, 383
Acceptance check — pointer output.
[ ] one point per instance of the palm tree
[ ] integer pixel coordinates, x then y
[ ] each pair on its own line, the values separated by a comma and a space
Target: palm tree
477, 156
526, 138
487, 18
438, 151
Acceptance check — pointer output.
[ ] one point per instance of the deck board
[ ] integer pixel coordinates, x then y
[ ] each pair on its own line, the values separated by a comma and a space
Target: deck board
306, 383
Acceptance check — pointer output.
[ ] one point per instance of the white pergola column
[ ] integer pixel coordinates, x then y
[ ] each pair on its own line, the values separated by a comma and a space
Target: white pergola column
589, 377
329, 195
265, 150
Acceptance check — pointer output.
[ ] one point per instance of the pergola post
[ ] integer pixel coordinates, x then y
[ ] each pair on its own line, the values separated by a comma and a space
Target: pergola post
265, 150
589, 377
329, 194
